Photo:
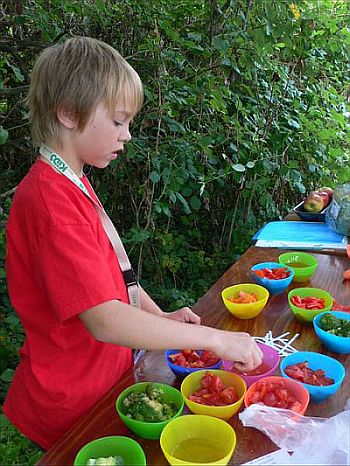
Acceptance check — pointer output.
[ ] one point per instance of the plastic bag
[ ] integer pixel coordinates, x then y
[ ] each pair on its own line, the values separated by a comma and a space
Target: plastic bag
338, 212
312, 440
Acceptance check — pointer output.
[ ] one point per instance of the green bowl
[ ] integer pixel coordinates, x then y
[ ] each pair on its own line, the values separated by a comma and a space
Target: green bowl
304, 265
131, 451
150, 430
307, 315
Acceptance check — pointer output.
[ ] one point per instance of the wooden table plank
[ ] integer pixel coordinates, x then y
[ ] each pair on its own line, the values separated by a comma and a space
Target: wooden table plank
102, 420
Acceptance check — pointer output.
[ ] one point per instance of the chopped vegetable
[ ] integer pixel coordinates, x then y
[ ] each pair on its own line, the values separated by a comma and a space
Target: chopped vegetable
148, 406
340, 307
275, 394
308, 302
346, 274
213, 392
303, 373
110, 461
190, 358
273, 274
334, 325
244, 298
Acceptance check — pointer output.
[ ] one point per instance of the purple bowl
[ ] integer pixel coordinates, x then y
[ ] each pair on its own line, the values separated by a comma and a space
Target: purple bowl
268, 366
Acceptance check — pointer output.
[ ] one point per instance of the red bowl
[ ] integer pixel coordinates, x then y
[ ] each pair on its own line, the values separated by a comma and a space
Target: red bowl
299, 392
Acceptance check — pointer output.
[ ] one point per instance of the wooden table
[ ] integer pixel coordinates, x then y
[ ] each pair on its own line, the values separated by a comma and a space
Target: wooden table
102, 420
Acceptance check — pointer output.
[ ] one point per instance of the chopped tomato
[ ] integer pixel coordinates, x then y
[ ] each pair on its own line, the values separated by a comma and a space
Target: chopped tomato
273, 274
308, 302
303, 373
213, 392
190, 358
340, 307
346, 274
244, 298
275, 394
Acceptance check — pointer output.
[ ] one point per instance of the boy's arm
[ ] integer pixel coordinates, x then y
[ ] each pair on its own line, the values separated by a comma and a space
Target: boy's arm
184, 314
125, 325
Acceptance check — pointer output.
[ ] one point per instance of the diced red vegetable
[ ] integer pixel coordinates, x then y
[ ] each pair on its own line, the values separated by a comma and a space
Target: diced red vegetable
212, 392
308, 302
273, 274
340, 307
190, 358
275, 394
303, 373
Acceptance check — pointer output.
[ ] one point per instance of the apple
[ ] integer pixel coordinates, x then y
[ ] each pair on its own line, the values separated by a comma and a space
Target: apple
313, 202
325, 197
327, 190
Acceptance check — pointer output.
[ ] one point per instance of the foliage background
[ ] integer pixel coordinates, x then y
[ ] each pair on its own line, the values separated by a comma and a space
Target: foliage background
245, 112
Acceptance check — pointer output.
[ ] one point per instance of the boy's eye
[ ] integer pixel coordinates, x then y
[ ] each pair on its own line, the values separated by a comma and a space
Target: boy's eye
117, 123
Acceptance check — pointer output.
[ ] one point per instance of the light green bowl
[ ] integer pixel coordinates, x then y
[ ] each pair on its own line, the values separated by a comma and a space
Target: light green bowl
131, 451
307, 315
150, 430
301, 274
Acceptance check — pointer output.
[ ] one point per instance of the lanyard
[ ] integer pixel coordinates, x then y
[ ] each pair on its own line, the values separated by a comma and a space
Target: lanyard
125, 266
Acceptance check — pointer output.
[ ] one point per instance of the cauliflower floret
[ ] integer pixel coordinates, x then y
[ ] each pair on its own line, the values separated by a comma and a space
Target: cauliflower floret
110, 461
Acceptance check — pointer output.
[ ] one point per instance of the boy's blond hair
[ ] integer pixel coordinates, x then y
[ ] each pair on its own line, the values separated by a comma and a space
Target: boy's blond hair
77, 75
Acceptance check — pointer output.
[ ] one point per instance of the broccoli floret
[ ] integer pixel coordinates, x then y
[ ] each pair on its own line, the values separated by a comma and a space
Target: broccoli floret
329, 322
154, 392
148, 406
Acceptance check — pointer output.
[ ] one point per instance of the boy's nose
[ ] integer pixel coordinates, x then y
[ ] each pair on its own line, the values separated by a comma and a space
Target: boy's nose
126, 136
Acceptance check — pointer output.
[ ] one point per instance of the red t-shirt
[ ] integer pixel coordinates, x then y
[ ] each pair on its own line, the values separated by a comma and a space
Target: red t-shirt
59, 264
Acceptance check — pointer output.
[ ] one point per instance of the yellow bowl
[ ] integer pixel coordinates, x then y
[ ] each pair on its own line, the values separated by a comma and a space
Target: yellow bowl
198, 440
245, 311
193, 382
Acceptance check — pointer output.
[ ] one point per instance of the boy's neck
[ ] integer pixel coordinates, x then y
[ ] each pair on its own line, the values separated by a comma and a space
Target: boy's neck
68, 157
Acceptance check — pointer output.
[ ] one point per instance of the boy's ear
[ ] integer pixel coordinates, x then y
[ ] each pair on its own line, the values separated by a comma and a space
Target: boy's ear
66, 116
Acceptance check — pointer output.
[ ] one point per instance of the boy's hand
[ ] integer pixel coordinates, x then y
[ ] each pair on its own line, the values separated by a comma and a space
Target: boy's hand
185, 314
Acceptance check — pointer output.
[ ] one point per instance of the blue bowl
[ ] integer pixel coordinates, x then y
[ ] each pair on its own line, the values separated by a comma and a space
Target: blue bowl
183, 371
273, 286
332, 342
330, 366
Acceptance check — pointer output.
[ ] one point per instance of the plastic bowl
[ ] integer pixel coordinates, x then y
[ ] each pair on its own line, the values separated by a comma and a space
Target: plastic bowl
149, 430
273, 286
334, 343
198, 440
245, 311
268, 366
295, 388
192, 382
307, 315
331, 367
131, 452
304, 265
183, 371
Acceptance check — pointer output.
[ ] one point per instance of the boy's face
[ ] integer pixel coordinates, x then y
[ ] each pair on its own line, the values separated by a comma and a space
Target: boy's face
103, 136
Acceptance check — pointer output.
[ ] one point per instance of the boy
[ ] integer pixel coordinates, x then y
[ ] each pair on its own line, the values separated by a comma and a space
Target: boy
64, 279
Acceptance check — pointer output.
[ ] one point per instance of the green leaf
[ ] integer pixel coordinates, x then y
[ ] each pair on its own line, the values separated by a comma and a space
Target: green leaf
17, 72
220, 43
154, 176
184, 203
4, 134
7, 375
195, 202
238, 167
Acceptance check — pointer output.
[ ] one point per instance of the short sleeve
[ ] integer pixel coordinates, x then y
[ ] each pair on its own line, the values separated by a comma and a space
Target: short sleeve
73, 270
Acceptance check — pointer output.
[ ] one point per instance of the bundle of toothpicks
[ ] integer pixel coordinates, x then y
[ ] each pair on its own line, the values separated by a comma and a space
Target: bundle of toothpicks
282, 344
